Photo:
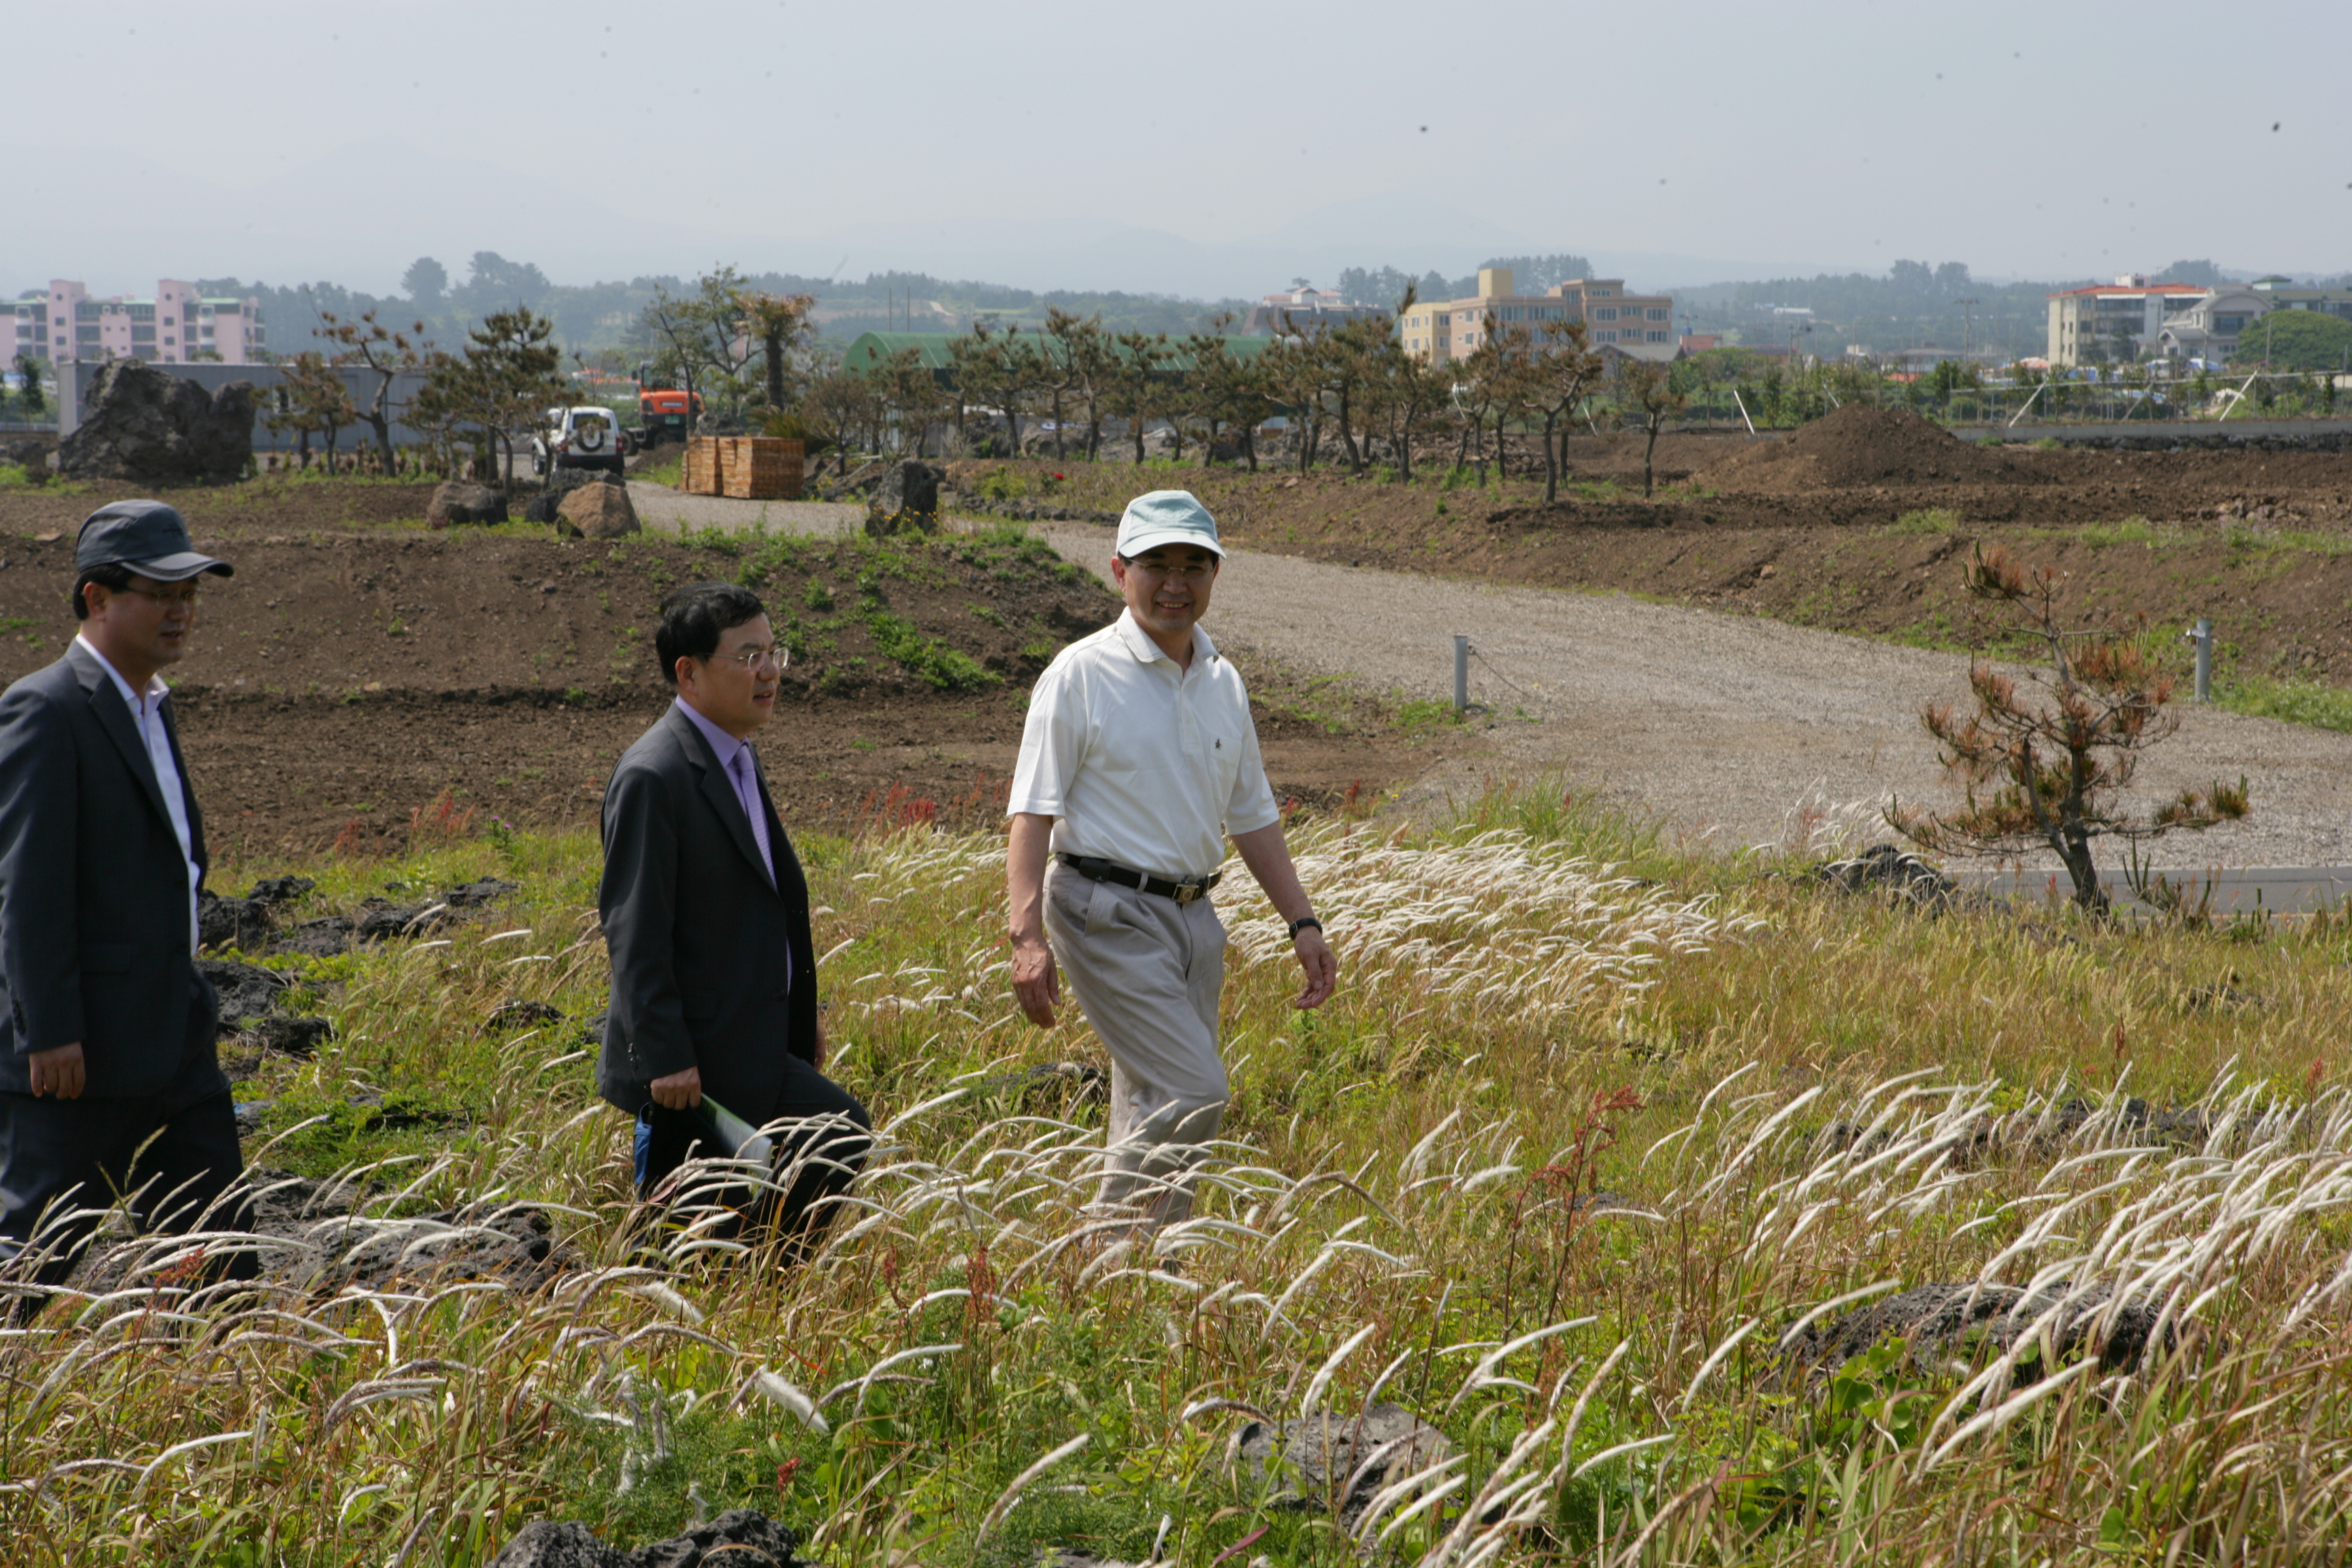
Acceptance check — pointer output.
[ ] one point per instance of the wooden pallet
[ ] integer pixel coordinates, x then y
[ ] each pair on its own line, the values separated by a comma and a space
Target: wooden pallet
760, 468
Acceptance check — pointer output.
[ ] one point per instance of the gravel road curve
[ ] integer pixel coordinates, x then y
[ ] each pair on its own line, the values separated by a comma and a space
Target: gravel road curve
1726, 726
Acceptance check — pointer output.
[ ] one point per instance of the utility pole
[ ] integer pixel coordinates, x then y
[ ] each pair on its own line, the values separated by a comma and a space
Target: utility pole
1968, 325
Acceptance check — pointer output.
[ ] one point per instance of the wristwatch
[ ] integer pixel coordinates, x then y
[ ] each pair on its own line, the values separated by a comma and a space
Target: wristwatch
1301, 924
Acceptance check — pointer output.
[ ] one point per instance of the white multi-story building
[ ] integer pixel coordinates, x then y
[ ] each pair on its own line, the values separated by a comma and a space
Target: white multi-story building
174, 326
1639, 326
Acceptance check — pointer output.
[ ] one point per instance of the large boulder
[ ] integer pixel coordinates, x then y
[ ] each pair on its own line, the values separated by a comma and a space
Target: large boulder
740, 1538
462, 500
151, 428
561, 482
1310, 1460
597, 511
908, 499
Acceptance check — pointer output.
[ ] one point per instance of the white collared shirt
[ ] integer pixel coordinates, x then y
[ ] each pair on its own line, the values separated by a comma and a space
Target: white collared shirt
147, 712
1140, 761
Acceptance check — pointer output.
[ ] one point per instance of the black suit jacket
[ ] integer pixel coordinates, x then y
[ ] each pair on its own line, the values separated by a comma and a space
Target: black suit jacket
697, 936
94, 942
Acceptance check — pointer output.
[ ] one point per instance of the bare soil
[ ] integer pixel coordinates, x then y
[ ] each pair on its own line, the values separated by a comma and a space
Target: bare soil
362, 679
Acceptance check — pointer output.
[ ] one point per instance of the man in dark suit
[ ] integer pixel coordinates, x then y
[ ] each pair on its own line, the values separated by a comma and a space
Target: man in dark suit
707, 917
109, 1084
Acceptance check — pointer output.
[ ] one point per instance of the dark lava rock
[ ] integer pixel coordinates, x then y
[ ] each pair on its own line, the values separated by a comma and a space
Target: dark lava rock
279, 890
461, 501
288, 1037
908, 499
1971, 1320
1324, 1449
231, 922
520, 1013
321, 938
740, 1538
379, 920
245, 990
142, 424
467, 895
246, 923
1892, 873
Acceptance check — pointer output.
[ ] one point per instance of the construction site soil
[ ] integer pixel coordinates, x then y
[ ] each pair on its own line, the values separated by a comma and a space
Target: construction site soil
361, 679
1857, 522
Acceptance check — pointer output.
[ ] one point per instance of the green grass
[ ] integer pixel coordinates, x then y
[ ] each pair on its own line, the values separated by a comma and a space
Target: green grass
669, 471
2309, 702
1926, 520
1541, 998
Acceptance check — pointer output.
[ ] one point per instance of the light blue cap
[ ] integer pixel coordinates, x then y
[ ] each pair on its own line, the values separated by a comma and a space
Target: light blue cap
1166, 517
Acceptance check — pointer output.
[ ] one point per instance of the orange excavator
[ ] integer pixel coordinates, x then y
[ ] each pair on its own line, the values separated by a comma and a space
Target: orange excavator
663, 411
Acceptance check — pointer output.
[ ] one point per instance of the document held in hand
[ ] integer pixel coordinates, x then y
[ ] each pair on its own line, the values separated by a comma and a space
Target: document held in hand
742, 1140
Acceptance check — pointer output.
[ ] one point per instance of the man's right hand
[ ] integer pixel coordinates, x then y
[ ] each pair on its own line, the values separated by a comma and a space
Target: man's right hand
1037, 985
59, 1072
679, 1090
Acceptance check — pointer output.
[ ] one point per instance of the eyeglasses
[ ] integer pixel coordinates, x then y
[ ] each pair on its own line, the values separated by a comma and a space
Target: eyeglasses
779, 656
1198, 572
167, 597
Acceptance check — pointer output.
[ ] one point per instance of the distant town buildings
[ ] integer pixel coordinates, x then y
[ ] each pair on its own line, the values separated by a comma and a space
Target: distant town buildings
174, 326
1303, 306
2136, 317
1639, 326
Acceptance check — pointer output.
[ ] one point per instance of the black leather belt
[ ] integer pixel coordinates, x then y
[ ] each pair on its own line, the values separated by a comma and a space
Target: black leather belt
1095, 870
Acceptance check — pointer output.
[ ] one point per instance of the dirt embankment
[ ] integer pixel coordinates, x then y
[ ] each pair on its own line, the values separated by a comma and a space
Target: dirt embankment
357, 667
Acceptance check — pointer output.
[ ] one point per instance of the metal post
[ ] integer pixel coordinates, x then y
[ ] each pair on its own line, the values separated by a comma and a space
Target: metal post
1460, 673
2203, 638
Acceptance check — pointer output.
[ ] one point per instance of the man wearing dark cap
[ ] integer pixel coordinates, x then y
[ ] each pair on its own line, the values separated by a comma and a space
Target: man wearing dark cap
109, 1084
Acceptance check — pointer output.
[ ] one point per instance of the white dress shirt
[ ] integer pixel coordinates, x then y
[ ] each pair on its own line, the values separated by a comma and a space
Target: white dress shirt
1142, 762
147, 712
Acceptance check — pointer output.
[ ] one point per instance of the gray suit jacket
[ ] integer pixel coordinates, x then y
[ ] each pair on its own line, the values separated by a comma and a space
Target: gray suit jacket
93, 892
697, 936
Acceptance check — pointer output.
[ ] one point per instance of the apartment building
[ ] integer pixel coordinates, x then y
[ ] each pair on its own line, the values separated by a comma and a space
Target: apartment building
173, 326
2118, 321
1303, 307
1639, 326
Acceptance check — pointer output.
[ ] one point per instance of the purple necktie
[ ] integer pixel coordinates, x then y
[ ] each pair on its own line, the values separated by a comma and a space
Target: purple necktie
747, 795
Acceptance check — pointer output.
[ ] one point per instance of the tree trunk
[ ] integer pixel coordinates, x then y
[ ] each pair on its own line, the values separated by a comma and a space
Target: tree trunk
1057, 423
773, 345
1249, 445
1551, 459
1348, 432
1649, 451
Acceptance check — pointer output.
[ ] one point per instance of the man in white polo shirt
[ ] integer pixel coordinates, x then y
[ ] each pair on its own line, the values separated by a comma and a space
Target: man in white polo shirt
1138, 760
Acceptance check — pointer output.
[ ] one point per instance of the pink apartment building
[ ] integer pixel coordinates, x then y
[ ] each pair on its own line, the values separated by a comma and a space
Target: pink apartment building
175, 326
1639, 326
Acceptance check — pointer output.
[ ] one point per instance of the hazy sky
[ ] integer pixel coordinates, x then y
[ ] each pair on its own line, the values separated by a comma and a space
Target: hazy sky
1191, 148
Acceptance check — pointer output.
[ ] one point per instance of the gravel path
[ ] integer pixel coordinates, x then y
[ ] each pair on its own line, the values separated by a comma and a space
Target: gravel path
1729, 727
1724, 725
673, 511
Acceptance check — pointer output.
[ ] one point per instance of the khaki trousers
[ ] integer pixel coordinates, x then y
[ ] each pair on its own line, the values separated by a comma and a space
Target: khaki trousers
1146, 971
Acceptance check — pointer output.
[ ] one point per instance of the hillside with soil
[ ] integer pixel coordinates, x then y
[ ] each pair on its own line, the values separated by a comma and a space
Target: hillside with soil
358, 669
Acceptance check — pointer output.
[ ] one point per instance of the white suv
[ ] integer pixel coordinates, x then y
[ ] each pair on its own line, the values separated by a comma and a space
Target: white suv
589, 437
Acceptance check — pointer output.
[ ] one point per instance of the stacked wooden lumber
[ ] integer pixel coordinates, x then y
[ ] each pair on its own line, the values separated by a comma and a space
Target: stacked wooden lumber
760, 468
705, 466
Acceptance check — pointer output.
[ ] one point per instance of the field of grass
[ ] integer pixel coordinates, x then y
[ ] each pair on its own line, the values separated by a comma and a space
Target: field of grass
1797, 1101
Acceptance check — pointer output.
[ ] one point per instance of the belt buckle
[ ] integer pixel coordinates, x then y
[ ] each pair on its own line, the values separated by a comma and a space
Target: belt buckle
1187, 892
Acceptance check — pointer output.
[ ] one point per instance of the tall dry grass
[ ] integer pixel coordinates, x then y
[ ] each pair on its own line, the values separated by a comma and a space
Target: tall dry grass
1592, 1131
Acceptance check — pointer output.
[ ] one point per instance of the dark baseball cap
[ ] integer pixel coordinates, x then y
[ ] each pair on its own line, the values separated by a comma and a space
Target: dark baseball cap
146, 536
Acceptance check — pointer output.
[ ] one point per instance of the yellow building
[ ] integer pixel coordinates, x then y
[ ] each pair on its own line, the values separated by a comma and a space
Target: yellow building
1640, 326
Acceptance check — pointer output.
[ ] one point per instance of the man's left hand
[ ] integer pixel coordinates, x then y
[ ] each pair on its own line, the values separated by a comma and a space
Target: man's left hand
1321, 967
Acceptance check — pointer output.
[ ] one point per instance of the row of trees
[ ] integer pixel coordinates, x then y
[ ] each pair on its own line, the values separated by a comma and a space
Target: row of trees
1350, 393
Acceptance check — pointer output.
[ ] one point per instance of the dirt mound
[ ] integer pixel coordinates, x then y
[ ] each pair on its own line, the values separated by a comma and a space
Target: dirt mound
1858, 447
